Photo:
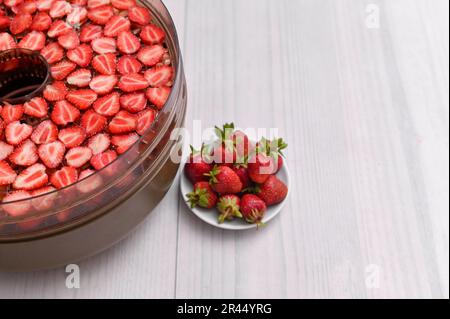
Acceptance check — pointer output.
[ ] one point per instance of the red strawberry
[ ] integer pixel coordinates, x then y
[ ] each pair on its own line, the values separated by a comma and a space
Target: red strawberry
44, 5
62, 69
97, 3
104, 45
260, 167
33, 41
99, 143
127, 42
78, 156
115, 25
17, 132
64, 113
90, 32
273, 149
152, 34
253, 209
11, 113
77, 16
196, 167
69, 40
244, 147
46, 202
58, 28
12, 3
145, 120
128, 64
105, 63
41, 22
7, 174
134, 103
82, 99
158, 96
123, 4
101, 160
202, 196
21, 207
151, 55
101, 15
243, 176
93, 122
7, 41
45, 132
4, 22
36, 107
273, 191
59, 9
25, 154
51, 154
72, 136
124, 142
25, 7
159, 76
81, 55
139, 15
229, 208
80, 78
5, 150
20, 23
52, 52
55, 92
103, 84
64, 177
224, 181
123, 122
108, 105
92, 184
31, 178
132, 82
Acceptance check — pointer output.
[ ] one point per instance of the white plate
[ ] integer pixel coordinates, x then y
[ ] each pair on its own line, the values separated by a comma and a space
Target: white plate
210, 216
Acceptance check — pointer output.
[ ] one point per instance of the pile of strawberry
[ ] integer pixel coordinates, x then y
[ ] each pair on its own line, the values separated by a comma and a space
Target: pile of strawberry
237, 176
111, 74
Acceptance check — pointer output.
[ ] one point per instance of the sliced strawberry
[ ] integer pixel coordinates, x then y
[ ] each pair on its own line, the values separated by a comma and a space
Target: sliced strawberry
32, 41
101, 160
31, 178
55, 92
123, 4
12, 3
17, 132
20, 23
93, 122
45, 132
62, 69
81, 55
11, 113
152, 34
145, 120
123, 122
44, 5
58, 28
124, 142
128, 64
99, 143
132, 82
5, 150
101, 15
81, 3
77, 16
139, 15
105, 63
92, 184
41, 22
60, 9
90, 32
52, 52
134, 102
44, 202
97, 3
21, 207
127, 42
159, 76
108, 105
69, 40
82, 99
72, 136
158, 96
51, 154
64, 113
103, 84
36, 107
4, 23
64, 177
115, 25
7, 174
24, 7
80, 78
7, 41
25, 154
78, 156
104, 45
151, 55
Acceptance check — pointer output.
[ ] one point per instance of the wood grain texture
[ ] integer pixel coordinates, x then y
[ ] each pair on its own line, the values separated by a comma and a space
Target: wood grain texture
365, 112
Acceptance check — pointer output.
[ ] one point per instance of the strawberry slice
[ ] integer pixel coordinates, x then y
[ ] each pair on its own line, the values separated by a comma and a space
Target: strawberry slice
7, 41
92, 184
127, 42
44, 5
133, 103
12, 3
52, 52
151, 55
103, 84
81, 55
4, 22
62, 69
105, 63
5, 150
20, 23
128, 64
55, 92
101, 160
99, 143
82, 99
93, 122
69, 40
124, 142
104, 45
123, 122
25, 154
97, 3
152, 34
17, 132
132, 82
64, 177
77, 16
45, 132
36, 107
59, 9
41, 22
31, 178
159, 76
58, 28
64, 113
72, 136
81, 3
139, 15
7, 174
90, 32
78, 156
145, 120
11, 113
115, 25
51, 154
108, 105
21, 207
80, 78
24, 7
44, 202
158, 96
34, 40
101, 15
123, 4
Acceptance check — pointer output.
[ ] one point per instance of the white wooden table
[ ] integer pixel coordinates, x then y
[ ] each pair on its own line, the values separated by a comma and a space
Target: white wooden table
365, 110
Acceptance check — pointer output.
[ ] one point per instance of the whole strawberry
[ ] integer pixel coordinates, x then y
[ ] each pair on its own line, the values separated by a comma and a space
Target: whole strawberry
229, 207
224, 180
273, 149
243, 146
273, 191
202, 196
224, 153
260, 167
242, 172
253, 209
197, 167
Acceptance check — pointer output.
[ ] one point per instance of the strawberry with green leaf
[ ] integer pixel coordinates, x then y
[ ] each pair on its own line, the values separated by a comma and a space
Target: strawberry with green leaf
229, 208
196, 167
202, 196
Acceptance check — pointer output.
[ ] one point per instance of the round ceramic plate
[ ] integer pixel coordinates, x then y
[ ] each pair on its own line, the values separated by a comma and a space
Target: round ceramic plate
210, 216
